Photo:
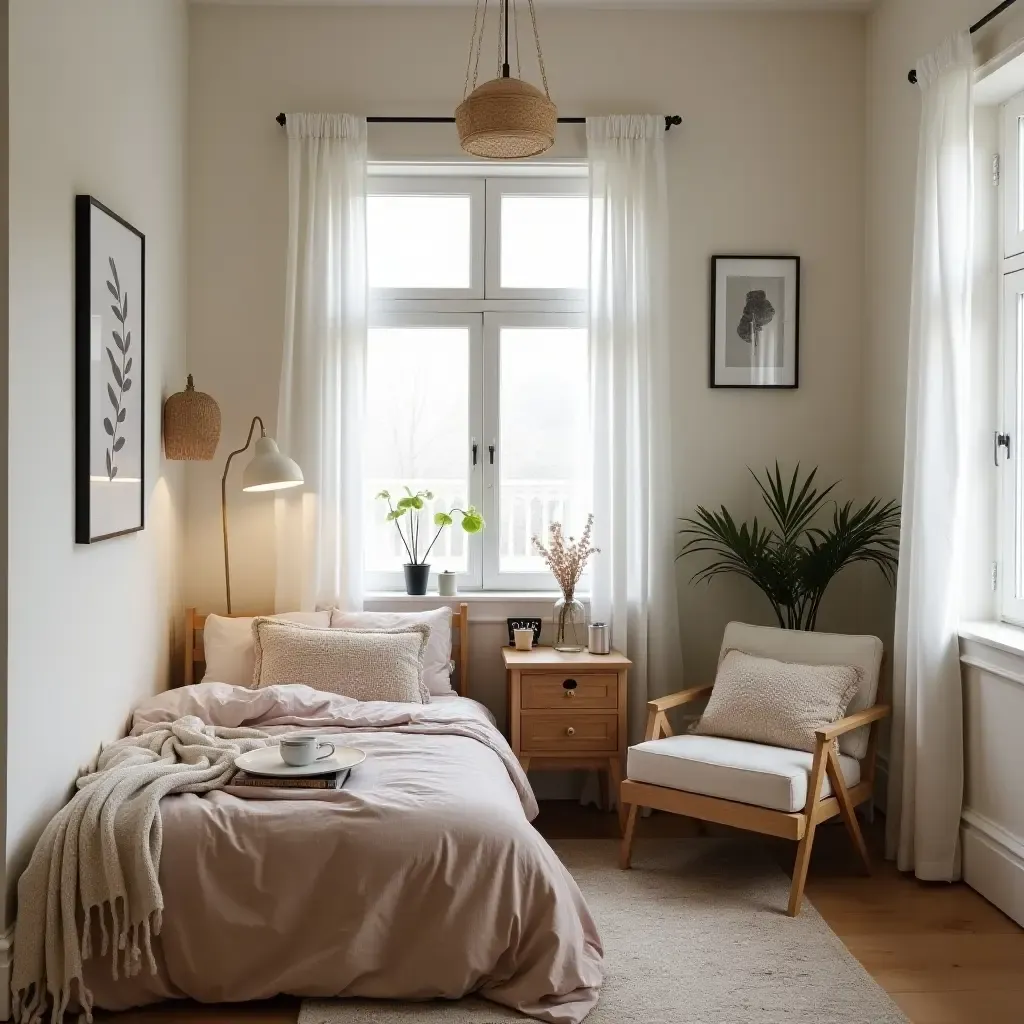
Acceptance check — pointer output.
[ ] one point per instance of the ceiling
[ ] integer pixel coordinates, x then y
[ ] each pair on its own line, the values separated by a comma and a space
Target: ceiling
707, 5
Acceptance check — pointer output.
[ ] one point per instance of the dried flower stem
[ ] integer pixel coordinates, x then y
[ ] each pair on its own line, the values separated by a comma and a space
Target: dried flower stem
567, 559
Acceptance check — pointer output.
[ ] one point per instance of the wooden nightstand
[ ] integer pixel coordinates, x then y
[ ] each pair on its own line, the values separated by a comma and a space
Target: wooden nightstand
568, 710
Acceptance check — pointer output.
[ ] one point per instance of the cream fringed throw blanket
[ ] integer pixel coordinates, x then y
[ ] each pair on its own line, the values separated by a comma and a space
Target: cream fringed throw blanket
101, 852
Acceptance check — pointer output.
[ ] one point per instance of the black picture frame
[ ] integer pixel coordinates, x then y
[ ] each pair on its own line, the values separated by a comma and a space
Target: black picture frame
787, 269
524, 623
105, 506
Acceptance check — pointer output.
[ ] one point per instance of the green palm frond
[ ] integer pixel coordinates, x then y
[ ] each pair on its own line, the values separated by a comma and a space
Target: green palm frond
794, 563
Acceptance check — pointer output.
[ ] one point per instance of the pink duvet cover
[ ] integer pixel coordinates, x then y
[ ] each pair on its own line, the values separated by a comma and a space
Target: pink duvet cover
421, 879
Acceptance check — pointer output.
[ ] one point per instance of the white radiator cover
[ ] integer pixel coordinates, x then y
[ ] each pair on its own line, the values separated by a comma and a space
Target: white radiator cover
992, 822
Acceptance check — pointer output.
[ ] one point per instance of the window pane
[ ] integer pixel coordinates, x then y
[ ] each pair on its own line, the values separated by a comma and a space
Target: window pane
417, 434
1018, 470
419, 241
544, 439
544, 241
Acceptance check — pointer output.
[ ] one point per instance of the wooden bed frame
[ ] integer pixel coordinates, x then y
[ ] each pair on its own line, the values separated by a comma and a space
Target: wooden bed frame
195, 655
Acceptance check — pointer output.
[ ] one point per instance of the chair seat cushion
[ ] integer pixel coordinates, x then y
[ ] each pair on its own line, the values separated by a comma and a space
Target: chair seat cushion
749, 773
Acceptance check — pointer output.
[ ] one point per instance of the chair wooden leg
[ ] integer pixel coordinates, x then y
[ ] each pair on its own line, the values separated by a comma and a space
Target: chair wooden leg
846, 808
626, 847
803, 853
803, 861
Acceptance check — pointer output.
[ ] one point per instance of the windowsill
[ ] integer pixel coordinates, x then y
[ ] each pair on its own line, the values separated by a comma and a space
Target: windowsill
473, 596
1001, 635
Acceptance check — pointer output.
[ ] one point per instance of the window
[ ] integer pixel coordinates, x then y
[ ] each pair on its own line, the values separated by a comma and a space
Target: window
1010, 581
477, 368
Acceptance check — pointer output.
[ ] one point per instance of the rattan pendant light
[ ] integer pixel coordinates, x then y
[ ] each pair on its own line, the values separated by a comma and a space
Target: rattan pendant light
505, 118
191, 425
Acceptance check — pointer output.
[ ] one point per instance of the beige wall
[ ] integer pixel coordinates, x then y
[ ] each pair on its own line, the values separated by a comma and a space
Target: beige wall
770, 159
98, 103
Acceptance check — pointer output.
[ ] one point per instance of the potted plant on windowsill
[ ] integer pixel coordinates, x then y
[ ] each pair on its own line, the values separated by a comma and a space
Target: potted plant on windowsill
408, 511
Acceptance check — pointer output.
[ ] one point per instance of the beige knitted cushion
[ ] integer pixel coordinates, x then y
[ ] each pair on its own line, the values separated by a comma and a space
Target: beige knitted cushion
367, 664
775, 702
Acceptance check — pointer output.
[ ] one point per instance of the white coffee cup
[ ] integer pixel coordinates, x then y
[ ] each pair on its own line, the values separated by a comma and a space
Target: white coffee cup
298, 751
523, 639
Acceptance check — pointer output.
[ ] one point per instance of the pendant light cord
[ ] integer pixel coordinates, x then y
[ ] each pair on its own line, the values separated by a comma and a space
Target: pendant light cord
477, 39
476, 42
540, 56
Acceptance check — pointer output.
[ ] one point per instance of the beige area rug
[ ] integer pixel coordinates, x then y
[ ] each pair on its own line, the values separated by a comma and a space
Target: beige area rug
695, 933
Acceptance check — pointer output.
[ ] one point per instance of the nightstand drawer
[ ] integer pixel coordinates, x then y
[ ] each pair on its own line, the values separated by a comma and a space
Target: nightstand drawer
568, 690
568, 733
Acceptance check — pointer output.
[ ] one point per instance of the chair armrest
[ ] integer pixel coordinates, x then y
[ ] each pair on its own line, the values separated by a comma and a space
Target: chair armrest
673, 700
854, 721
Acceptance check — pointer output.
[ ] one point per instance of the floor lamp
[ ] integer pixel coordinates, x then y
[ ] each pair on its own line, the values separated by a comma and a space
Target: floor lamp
268, 470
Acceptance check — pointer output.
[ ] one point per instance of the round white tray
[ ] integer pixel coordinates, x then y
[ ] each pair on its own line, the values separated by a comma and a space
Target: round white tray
268, 761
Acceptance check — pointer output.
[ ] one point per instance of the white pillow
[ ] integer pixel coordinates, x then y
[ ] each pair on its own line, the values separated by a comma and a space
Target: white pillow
229, 649
437, 658
366, 664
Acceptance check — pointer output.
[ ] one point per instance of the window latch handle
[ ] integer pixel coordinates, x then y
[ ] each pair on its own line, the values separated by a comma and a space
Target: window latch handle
475, 447
490, 452
1001, 441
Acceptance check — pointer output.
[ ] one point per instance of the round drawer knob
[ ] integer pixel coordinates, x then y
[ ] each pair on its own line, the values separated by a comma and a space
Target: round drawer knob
570, 731
570, 693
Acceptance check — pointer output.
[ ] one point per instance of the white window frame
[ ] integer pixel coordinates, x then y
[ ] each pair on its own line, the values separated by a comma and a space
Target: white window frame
419, 186
1010, 541
496, 189
470, 579
494, 579
1012, 178
484, 308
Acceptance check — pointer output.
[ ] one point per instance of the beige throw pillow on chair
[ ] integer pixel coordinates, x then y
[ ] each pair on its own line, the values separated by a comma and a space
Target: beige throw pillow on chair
774, 702
367, 664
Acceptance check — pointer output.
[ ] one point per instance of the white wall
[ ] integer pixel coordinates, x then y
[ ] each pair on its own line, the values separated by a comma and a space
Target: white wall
98, 104
770, 159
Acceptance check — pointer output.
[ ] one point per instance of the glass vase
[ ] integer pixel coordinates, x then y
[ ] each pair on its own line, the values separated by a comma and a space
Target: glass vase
570, 621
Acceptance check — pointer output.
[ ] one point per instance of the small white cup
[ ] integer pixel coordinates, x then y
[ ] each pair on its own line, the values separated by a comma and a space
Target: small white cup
298, 751
447, 584
523, 639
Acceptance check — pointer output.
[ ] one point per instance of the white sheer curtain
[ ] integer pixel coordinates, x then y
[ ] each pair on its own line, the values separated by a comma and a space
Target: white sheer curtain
633, 585
926, 762
320, 410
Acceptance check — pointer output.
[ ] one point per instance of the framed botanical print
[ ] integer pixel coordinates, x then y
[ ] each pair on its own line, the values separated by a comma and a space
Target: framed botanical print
110, 350
755, 321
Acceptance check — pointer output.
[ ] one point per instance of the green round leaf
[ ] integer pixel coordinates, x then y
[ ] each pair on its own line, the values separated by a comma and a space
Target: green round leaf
472, 521
383, 496
443, 519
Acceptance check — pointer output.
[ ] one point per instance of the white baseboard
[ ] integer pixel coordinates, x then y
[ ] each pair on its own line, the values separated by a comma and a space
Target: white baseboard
6, 960
993, 863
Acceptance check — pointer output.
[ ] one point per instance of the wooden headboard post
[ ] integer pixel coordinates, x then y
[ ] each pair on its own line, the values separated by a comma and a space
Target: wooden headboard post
195, 653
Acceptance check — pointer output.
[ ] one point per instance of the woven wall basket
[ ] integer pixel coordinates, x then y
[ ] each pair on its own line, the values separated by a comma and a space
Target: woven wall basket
191, 425
506, 119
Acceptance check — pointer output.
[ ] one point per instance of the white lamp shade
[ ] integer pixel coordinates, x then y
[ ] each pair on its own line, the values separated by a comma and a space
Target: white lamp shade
269, 470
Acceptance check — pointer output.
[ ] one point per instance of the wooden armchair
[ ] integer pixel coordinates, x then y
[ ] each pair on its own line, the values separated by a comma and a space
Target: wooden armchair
770, 790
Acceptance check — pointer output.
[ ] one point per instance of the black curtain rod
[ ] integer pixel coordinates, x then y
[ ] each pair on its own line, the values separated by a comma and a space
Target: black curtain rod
282, 119
976, 27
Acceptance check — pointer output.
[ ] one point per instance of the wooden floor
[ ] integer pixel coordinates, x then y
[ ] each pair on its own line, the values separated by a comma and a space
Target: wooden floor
943, 953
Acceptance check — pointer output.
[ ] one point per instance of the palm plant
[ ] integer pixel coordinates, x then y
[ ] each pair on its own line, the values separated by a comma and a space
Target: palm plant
791, 561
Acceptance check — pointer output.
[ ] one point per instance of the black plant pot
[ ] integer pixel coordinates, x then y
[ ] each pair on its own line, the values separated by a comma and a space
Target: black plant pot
416, 577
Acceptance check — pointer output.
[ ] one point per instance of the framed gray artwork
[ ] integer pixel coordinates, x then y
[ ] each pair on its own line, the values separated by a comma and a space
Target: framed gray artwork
110, 347
755, 322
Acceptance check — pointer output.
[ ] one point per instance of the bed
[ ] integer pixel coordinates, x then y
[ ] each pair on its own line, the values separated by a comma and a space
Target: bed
421, 879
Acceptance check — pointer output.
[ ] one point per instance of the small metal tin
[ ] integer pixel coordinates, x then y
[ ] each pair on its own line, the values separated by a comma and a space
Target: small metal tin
599, 638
